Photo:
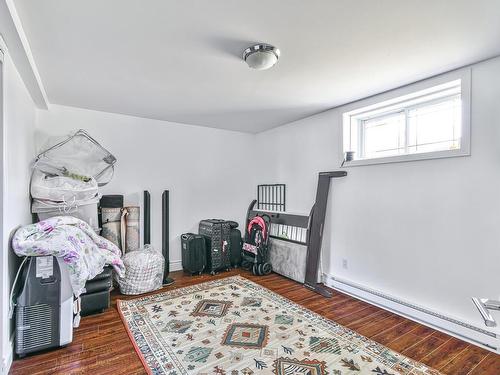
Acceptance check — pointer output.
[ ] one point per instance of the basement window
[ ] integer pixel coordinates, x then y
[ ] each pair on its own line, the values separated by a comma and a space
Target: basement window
423, 121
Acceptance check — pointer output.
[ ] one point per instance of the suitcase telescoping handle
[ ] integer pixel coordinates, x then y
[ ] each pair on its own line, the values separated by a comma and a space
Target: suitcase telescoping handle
186, 236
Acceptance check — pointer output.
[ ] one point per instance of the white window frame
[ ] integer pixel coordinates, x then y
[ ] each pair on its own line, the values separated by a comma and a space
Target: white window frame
403, 93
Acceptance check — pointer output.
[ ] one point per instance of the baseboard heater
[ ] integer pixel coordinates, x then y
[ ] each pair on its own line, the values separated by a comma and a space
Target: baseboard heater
455, 327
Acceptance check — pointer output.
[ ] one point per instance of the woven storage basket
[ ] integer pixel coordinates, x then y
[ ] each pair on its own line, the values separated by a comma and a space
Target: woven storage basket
143, 271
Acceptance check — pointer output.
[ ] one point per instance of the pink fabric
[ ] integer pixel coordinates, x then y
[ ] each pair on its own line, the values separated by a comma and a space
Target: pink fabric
260, 221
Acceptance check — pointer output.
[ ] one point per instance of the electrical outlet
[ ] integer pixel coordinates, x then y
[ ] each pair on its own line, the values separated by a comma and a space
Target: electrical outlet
344, 263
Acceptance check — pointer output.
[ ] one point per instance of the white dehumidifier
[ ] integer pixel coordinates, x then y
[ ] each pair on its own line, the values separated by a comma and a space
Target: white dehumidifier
44, 307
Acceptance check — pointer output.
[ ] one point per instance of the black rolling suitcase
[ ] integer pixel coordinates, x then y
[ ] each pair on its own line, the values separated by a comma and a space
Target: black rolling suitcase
194, 253
236, 244
217, 239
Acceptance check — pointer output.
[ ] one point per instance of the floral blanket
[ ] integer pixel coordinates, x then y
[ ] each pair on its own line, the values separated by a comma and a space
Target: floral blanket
73, 240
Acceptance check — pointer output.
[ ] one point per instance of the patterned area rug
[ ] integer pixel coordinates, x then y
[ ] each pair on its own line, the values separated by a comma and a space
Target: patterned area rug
233, 326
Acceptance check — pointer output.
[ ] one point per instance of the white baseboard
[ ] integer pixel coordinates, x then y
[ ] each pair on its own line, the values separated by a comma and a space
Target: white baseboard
176, 265
452, 326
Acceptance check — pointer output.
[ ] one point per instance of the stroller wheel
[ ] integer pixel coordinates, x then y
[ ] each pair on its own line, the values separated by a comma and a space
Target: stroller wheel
256, 269
261, 269
266, 269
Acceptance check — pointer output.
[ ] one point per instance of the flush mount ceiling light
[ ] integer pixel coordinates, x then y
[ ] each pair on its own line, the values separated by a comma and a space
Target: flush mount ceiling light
261, 56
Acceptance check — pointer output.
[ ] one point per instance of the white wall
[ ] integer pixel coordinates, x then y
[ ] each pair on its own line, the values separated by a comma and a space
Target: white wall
425, 231
18, 152
205, 169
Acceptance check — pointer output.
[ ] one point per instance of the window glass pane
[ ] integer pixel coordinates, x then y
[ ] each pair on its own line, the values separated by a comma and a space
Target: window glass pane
435, 127
384, 136
424, 121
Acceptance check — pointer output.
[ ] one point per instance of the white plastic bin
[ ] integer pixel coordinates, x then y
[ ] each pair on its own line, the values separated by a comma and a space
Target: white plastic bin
86, 211
61, 188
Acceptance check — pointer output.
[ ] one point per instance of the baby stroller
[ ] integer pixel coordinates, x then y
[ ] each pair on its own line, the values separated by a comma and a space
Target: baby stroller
255, 249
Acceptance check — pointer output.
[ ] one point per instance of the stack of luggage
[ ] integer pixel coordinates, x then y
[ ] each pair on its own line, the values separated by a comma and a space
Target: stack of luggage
216, 248
66, 178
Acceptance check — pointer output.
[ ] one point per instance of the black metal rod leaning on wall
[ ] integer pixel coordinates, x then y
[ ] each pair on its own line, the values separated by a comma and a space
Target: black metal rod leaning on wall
147, 218
165, 236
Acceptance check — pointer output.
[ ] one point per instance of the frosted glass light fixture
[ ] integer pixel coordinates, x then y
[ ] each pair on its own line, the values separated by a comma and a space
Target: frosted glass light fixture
261, 56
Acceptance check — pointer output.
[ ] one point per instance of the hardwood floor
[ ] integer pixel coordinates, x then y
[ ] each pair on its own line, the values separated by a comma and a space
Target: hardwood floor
101, 344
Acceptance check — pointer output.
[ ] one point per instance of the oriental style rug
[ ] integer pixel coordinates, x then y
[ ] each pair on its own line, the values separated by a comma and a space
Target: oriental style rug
233, 326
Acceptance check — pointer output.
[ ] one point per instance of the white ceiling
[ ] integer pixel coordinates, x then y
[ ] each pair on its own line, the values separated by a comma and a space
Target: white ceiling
181, 60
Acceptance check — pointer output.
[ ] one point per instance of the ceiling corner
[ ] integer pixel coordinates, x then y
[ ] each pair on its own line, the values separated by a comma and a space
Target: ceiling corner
20, 52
